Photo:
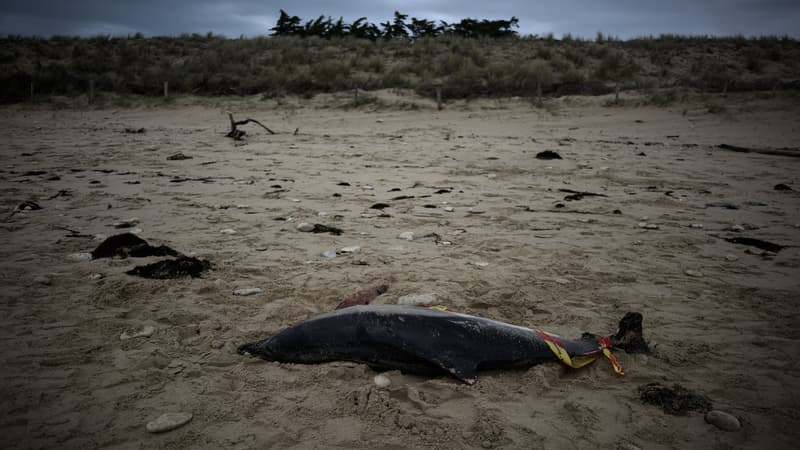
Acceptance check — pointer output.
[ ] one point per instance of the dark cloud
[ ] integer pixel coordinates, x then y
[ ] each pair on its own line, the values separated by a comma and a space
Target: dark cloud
623, 18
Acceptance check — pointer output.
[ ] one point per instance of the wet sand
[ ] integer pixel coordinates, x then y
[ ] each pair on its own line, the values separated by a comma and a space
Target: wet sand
498, 240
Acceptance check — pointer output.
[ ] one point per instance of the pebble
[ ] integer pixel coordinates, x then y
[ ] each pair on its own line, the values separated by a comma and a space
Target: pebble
82, 256
294, 200
242, 206
449, 208
475, 211
736, 228
651, 226
695, 225
382, 381
481, 263
723, 420
96, 276
228, 231
129, 223
217, 344
350, 249
305, 227
416, 299
147, 331
407, 235
731, 258
248, 291
329, 254
693, 273
168, 422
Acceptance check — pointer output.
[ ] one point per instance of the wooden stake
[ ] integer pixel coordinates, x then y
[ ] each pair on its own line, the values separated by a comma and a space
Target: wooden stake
166, 89
439, 98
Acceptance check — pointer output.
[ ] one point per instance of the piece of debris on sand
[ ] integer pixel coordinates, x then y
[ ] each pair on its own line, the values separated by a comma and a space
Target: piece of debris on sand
363, 297
129, 244
168, 269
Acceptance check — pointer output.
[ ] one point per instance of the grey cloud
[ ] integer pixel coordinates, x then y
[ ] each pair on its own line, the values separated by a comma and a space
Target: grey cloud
623, 18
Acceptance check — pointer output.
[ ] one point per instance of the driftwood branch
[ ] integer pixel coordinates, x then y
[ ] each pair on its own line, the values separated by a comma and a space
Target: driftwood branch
791, 152
238, 134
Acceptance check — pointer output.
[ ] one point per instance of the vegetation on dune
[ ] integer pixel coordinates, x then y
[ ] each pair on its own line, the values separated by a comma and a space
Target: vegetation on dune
471, 58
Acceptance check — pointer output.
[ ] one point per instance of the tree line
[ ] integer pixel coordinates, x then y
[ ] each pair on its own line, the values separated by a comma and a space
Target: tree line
398, 28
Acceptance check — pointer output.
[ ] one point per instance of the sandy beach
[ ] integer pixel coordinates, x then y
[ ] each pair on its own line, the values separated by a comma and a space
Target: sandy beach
493, 235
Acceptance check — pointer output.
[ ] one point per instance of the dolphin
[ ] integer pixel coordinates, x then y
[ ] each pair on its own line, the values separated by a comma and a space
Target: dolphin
431, 342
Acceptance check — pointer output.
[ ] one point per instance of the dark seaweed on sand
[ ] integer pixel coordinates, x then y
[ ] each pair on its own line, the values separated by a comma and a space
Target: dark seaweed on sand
172, 268
128, 244
675, 400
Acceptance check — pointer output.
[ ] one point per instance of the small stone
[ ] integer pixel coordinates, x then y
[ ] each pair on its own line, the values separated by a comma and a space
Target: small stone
696, 225
731, 258
475, 211
95, 276
449, 208
322, 213
329, 254
407, 235
350, 249
305, 227
168, 421
638, 242
247, 291
217, 344
228, 231
416, 299
242, 206
642, 224
481, 263
651, 226
129, 223
693, 273
736, 228
382, 381
723, 420
294, 200
82, 256
147, 331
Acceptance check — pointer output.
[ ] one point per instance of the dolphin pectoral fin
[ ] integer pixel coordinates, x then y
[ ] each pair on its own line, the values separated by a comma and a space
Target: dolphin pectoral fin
465, 371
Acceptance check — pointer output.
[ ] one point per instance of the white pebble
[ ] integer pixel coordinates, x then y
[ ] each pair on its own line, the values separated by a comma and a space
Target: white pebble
96, 276
382, 381
247, 291
350, 249
147, 331
695, 225
82, 256
723, 420
407, 235
416, 299
168, 421
449, 208
305, 227
693, 273
228, 231
481, 263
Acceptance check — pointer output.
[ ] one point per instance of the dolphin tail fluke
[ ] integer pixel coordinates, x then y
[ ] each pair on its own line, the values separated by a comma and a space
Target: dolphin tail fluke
629, 335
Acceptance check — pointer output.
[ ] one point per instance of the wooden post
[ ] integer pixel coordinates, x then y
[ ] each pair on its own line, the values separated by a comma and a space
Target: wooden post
91, 90
439, 97
166, 89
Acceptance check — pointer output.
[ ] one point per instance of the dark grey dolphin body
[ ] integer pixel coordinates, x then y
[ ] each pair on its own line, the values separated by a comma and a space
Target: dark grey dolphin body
428, 341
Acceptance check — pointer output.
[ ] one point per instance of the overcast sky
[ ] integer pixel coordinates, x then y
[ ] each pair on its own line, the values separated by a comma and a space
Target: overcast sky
232, 18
